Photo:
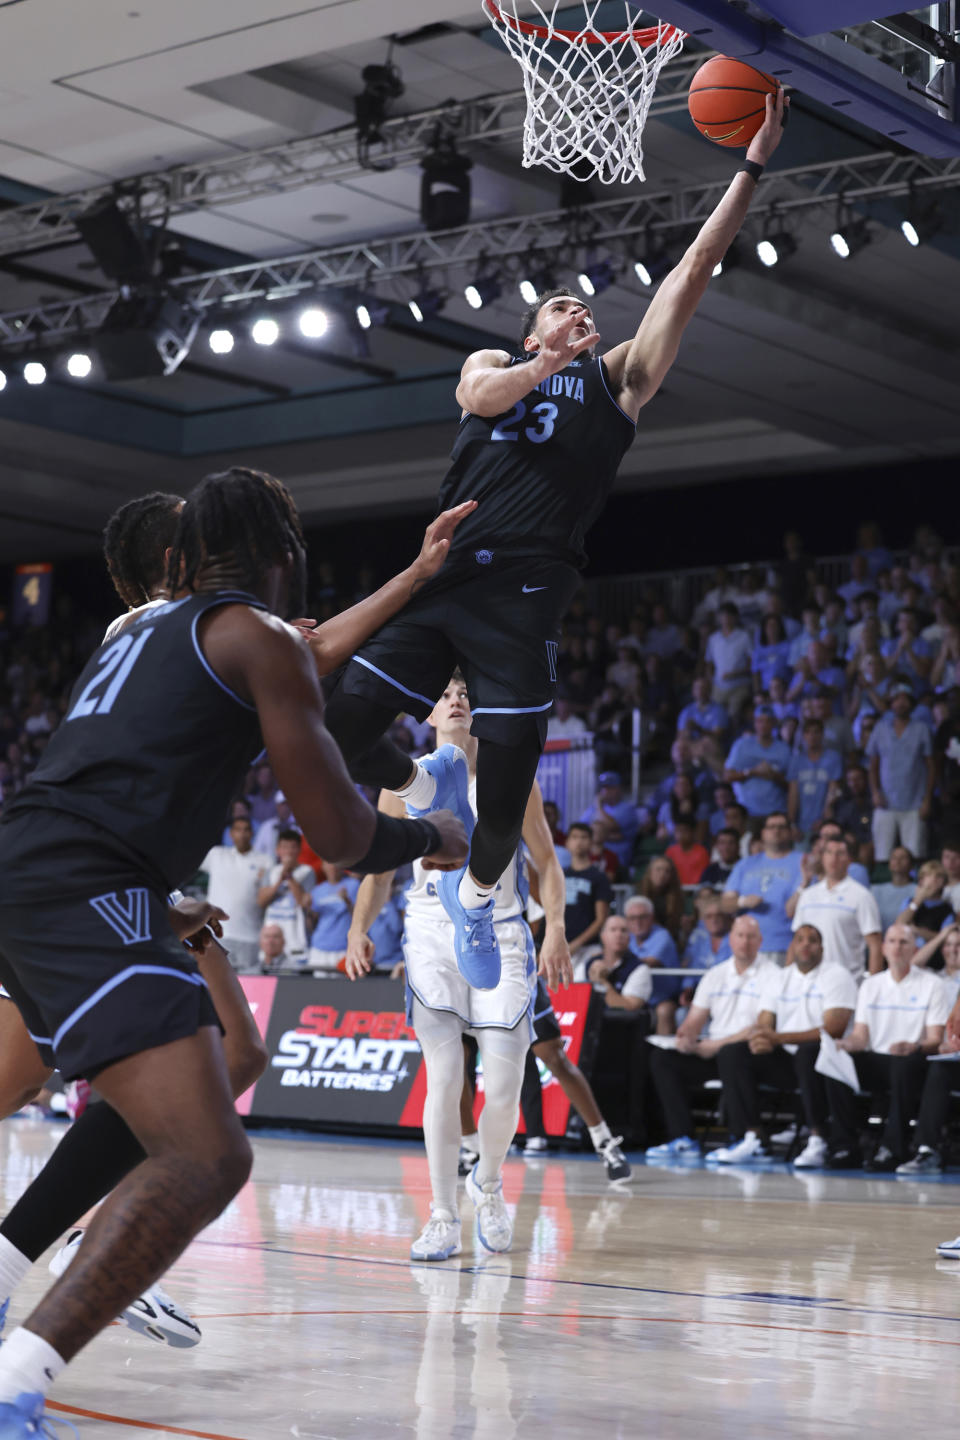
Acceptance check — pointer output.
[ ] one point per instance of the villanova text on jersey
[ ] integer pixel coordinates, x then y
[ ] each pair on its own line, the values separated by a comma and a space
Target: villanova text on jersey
541, 472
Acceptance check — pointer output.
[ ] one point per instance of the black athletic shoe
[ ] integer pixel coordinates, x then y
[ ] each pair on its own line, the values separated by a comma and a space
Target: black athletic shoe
883, 1161
614, 1159
842, 1159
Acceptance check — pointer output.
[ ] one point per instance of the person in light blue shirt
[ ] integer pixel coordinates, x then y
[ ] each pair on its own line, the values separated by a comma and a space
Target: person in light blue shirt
908, 653
812, 773
757, 766
332, 902
901, 778
800, 644
709, 942
762, 884
815, 671
703, 716
783, 709
386, 932
771, 657
618, 815
653, 944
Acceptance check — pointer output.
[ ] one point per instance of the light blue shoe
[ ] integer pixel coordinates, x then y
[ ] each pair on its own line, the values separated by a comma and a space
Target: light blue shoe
683, 1148
448, 766
475, 940
24, 1419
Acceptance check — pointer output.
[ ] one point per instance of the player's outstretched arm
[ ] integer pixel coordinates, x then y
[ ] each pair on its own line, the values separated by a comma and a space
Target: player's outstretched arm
556, 967
336, 639
265, 663
373, 894
637, 368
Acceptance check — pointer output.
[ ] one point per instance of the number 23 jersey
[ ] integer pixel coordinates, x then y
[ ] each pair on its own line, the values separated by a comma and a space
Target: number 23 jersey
542, 471
154, 745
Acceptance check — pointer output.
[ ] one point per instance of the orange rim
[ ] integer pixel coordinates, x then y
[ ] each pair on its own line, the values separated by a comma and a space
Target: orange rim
644, 38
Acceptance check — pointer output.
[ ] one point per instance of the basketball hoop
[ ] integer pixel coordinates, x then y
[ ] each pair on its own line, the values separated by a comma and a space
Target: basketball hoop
588, 91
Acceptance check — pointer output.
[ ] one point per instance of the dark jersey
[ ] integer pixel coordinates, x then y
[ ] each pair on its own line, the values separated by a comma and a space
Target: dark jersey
543, 471
154, 745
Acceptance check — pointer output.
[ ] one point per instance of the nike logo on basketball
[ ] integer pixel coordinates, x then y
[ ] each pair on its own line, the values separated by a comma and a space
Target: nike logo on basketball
529, 589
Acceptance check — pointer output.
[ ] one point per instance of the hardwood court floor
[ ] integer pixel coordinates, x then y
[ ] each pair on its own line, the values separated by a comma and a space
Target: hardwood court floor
687, 1304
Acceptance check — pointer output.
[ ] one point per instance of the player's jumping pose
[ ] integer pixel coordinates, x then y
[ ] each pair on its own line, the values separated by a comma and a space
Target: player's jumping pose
539, 444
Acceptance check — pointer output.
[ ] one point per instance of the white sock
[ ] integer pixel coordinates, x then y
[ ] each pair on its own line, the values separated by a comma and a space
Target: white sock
28, 1366
13, 1267
472, 1142
421, 791
599, 1134
470, 894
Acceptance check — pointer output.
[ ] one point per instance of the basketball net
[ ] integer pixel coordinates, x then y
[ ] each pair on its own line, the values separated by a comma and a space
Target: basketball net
588, 91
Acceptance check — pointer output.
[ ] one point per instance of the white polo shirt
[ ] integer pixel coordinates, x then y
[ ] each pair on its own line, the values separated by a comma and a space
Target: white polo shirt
734, 1000
901, 1010
638, 984
235, 882
844, 914
798, 1001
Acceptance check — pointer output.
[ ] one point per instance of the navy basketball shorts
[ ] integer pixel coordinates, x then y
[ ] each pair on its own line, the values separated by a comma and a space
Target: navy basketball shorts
498, 617
545, 1025
86, 949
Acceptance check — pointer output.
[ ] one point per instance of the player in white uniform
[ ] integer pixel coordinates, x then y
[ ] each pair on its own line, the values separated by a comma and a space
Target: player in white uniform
442, 1006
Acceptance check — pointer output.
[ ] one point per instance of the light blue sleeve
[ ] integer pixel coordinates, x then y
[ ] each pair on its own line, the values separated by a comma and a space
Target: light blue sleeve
736, 879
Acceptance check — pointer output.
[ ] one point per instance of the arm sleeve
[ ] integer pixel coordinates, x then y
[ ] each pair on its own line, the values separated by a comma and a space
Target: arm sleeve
735, 881
861, 1015
799, 915
839, 988
868, 913
703, 995
638, 984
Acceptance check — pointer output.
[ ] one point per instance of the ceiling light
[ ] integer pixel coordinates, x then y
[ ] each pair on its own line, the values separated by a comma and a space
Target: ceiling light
653, 264
922, 222
596, 278
528, 292
79, 366
535, 281
426, 304
776, 245
849, 237
484, 290
265, 331
445, 185
313, 323
3, 381
372, 314
221, 342
34, 373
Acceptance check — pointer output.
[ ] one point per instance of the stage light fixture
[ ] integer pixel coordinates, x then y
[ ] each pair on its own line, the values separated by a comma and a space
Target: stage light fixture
79, 365
265, 331
34, 373
528, 292
922, 221
849, 236
117, 241
3, 381
426, 304
445, 185
774, 247
535, 280
653, 263
146, 335
372, 315
596, 278
221, 341
484, 289
313, 323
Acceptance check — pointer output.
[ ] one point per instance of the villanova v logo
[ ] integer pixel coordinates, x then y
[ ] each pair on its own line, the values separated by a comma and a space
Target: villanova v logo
131, 921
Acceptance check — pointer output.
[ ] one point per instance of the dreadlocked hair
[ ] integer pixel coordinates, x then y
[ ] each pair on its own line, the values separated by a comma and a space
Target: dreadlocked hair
244, 514
135, 541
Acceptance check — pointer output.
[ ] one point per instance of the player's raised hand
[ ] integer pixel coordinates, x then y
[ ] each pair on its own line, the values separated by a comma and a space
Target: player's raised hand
454, 846
437, 537
564, 339
556, 966
359, 957
770, 134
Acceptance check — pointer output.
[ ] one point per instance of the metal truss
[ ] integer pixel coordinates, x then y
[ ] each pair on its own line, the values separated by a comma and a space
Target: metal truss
279, 169
556, 235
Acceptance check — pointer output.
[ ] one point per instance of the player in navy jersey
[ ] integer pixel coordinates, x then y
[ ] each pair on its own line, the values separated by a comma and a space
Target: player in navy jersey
130, 792
540, 440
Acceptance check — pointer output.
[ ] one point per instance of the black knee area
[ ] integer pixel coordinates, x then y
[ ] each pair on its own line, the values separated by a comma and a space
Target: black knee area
505, 776
358, 725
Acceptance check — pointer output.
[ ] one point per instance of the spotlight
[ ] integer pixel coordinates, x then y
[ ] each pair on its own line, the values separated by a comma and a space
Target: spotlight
313, 323
849, 237
655, 262
79, 366
775, 246
145, 334
445, 185
596, 278
265, 331
535, 281
528, 292
380, 84
484, 290
34, 373
922, 222
221, 342
3, 381
426, 304
370, 315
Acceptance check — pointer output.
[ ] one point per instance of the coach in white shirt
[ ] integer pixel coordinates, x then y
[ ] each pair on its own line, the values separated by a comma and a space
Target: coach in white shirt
899, 1021
729, 996
808, 996
845, 913
234, 875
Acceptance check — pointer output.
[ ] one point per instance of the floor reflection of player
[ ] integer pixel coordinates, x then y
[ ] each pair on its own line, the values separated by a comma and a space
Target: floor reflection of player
441, 1395
442, 1006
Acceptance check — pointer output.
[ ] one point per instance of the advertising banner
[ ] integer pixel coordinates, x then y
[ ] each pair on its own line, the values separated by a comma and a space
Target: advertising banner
343, 1054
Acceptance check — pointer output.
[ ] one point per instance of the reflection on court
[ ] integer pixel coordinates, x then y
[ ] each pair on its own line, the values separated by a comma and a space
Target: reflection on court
739, 1304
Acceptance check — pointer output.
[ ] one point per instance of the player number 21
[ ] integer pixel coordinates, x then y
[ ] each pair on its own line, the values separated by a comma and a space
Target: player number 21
115, 664
546, 416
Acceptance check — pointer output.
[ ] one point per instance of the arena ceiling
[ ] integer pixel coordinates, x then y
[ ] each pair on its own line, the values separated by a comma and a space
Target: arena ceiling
820, 363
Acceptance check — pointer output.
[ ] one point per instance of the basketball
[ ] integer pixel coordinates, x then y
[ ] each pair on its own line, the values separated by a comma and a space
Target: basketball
728, 101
